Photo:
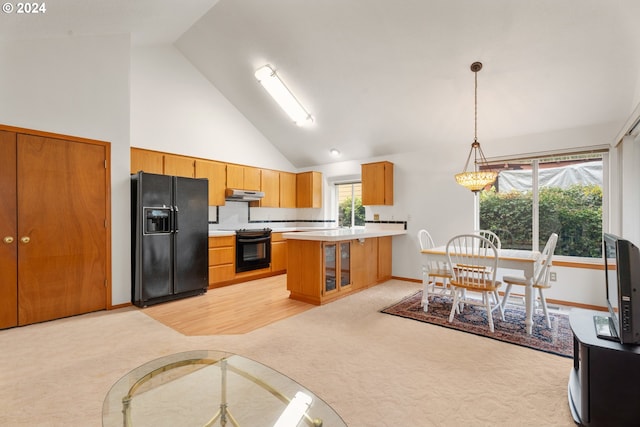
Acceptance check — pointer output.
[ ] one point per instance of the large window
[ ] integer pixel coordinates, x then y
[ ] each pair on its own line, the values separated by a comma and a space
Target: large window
350, 210
533, 198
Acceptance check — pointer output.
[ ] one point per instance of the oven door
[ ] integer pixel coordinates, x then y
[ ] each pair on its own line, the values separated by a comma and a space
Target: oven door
253, 251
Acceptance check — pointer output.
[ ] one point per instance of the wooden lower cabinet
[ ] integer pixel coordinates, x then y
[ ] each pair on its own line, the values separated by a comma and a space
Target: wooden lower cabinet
321, 272
222, 260
278, 253
385, 253
337, 278
365, 272
305, 271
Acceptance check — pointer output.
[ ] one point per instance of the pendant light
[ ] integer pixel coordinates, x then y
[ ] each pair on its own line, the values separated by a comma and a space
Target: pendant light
477, 179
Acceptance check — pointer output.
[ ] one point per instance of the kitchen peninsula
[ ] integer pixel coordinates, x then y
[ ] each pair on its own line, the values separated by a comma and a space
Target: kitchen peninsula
329, 264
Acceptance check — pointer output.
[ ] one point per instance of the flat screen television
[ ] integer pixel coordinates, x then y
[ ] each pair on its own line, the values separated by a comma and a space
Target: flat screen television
622, 281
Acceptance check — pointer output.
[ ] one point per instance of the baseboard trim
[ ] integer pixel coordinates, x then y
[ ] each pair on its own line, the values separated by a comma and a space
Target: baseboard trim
550, 301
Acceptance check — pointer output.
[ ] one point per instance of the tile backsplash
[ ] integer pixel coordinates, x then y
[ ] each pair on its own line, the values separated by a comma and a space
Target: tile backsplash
235, 215
232, 215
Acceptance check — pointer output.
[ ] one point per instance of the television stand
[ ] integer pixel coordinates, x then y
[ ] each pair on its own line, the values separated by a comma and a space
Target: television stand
604, 382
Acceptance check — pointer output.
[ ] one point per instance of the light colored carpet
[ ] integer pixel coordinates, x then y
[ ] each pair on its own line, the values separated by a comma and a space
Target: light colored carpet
372, 368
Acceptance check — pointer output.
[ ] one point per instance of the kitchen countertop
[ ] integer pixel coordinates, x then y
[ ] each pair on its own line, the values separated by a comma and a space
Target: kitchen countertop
222, 233
322, 234
342, 234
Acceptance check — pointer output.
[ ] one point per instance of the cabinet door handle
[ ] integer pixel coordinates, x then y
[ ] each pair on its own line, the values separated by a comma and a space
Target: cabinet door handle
25, 239
8, 240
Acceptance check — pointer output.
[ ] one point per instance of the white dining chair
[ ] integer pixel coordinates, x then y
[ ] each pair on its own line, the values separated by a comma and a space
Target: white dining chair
474, 262
432, 271
541, 273
490, 236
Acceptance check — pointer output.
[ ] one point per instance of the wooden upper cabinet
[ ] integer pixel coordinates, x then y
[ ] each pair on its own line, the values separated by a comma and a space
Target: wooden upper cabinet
235, 176
146, 161
252, 178
309, 190
282, 189
176, 165
216, 173
377, 183
161, 163
243, 177
287, 190
270, 185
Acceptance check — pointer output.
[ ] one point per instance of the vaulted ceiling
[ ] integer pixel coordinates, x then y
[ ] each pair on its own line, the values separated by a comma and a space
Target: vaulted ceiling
388, 76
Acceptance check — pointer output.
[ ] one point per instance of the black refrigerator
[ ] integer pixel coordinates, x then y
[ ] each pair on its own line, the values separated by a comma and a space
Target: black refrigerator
170, 227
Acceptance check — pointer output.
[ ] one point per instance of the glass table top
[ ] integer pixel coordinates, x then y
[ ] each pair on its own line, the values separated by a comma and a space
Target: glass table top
212, 388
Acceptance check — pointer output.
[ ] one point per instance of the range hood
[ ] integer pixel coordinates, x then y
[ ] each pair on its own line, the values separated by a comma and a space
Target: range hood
243, 195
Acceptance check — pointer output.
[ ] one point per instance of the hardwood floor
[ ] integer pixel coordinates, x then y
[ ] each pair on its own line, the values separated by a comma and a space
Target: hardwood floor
234, 309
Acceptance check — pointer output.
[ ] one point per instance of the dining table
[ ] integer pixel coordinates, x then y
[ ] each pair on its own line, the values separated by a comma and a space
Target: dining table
512, 259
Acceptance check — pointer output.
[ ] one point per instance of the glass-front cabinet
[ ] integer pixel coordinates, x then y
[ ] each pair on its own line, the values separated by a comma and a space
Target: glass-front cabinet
345, 263
320, 271
330, 266
337, 266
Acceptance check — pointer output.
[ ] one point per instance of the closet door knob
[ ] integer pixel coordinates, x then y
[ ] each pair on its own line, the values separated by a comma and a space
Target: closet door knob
8, 240
25, 239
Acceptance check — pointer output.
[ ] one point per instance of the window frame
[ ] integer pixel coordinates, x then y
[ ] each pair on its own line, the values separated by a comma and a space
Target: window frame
336, 202
535, 158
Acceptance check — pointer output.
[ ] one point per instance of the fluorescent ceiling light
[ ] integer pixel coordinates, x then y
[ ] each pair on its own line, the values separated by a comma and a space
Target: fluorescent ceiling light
283, 96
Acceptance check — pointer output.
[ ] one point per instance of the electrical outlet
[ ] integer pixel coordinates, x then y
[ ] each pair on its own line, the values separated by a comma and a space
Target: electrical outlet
376, 217
553, 276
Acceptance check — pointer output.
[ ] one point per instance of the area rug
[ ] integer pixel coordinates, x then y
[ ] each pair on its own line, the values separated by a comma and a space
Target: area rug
556, 340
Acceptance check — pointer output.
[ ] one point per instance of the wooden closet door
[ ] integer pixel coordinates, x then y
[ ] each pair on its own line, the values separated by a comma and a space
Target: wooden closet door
62, 211
8, 232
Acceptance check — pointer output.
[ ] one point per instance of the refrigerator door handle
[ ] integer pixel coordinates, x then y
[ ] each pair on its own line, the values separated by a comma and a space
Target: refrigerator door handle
175, 219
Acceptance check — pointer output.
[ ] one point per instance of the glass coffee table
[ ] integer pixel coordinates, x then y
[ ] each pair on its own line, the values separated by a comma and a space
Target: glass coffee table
212, 388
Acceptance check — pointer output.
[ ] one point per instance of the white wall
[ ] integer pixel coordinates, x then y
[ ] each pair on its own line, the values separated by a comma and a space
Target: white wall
174, 108
563, 139
77, 86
